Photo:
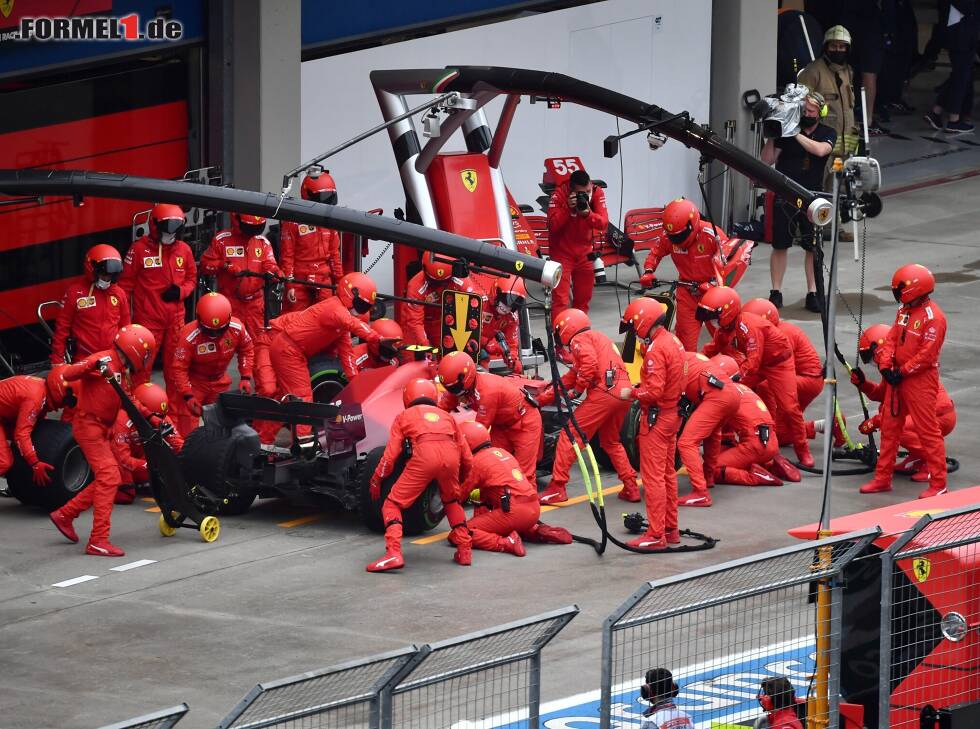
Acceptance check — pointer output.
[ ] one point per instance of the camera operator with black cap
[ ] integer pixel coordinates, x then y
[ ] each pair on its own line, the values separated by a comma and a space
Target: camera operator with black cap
576, 217
660, 690
801, 157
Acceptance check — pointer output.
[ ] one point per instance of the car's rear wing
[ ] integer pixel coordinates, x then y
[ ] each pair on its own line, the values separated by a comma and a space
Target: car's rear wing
82, 183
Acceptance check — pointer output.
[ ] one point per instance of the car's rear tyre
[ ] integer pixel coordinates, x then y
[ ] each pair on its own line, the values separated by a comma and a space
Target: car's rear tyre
54, 444
422, 516
326, 378
215, 464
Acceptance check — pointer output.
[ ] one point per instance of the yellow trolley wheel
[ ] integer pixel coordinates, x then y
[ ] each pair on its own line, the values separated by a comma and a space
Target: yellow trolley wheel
209, 528
165, 529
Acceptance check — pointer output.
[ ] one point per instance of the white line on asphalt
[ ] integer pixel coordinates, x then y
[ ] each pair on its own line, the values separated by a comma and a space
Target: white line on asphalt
75, 581
133, 565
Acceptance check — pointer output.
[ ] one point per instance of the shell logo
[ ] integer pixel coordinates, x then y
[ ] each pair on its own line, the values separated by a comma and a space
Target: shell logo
516, 473
431, 417
761, 405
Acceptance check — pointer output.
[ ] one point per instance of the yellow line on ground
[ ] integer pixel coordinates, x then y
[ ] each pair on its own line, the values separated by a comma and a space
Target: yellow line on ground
153, 510
433, 538
309, 519
148, 500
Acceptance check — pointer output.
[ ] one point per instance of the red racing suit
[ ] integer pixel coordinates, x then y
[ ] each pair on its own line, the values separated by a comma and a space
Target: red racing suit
266, 385
752, 423
913, 348
715, 401
149, 269
440, 454
598, 370
199, 367
97, 409
513, 421
422, 324
809, 378
364, 360
299, 335
308, 253
506, 324
765, 354
661, 382
22, 402
783, 719
230, 254
128, 448
699, 262
909, 439
571, 239
91, 316
496, 472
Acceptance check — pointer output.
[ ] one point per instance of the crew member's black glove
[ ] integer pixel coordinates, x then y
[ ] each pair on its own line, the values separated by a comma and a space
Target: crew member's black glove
892, 377
857, 377
171, 293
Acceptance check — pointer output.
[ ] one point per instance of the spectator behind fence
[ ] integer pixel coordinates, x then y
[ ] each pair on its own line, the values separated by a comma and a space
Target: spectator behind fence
802, 158
778, 699
576, 217
961, 25
659, 690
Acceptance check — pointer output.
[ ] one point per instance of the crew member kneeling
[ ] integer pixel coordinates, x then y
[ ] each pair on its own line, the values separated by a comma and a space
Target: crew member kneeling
437, 452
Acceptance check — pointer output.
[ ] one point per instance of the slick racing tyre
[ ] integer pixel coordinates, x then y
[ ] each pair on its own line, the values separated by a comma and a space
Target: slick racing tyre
215, 464
422, 516
54, 444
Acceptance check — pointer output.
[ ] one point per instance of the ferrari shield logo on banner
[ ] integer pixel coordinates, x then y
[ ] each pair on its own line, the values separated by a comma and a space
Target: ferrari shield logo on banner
921, 567
6, 7
461, 314
469, 179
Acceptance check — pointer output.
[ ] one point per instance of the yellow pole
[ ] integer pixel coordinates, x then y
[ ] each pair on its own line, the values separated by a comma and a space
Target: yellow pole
818, 704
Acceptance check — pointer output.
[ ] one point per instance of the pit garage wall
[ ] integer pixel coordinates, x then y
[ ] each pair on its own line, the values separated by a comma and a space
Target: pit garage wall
656, 50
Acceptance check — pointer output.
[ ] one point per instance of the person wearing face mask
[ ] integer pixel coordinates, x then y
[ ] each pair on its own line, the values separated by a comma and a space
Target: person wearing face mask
158, 273
233, 252
199, 364
93, 310
328, 324
802, 158
500, 334
310, 253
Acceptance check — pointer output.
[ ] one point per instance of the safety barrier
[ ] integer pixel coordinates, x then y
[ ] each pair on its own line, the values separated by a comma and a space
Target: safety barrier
492, 674
930, 619
163, 719
488, 678
348, 695
723, 629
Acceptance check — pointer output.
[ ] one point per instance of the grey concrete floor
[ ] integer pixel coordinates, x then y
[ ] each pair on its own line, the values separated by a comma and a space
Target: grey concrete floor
284, 591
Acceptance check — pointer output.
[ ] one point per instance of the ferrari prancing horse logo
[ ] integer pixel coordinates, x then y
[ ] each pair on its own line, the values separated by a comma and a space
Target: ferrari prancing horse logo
921, 567
469, 179
6, 7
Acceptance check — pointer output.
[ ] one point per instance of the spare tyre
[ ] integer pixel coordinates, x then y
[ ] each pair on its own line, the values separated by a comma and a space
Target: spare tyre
54, 444
422, 516
326, 378
219, 461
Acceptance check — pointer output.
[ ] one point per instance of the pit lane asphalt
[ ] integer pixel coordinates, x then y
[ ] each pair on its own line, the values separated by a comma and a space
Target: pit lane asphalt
205, 622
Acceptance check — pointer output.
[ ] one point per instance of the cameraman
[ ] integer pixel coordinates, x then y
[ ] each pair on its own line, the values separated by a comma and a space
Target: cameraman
802, 158
576, 217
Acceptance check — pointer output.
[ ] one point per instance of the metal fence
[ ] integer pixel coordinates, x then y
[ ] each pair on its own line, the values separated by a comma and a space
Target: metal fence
163, 719
349, 695
488, 678
930, 613
723, 629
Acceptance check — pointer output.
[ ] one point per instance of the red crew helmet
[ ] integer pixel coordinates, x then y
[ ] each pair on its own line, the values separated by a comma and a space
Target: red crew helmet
457, 372
477, 436
764, 308
153, 398
102, 261
319, 187
436, 269
249, 225
136, 345
721, 303
682, 220
872, 338
357, 291
633, 311
420, 392
912, 281
510, 291
213, 314
166, 219
569, 323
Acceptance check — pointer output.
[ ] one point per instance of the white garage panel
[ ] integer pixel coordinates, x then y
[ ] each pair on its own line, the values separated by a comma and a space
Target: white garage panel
654, 50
